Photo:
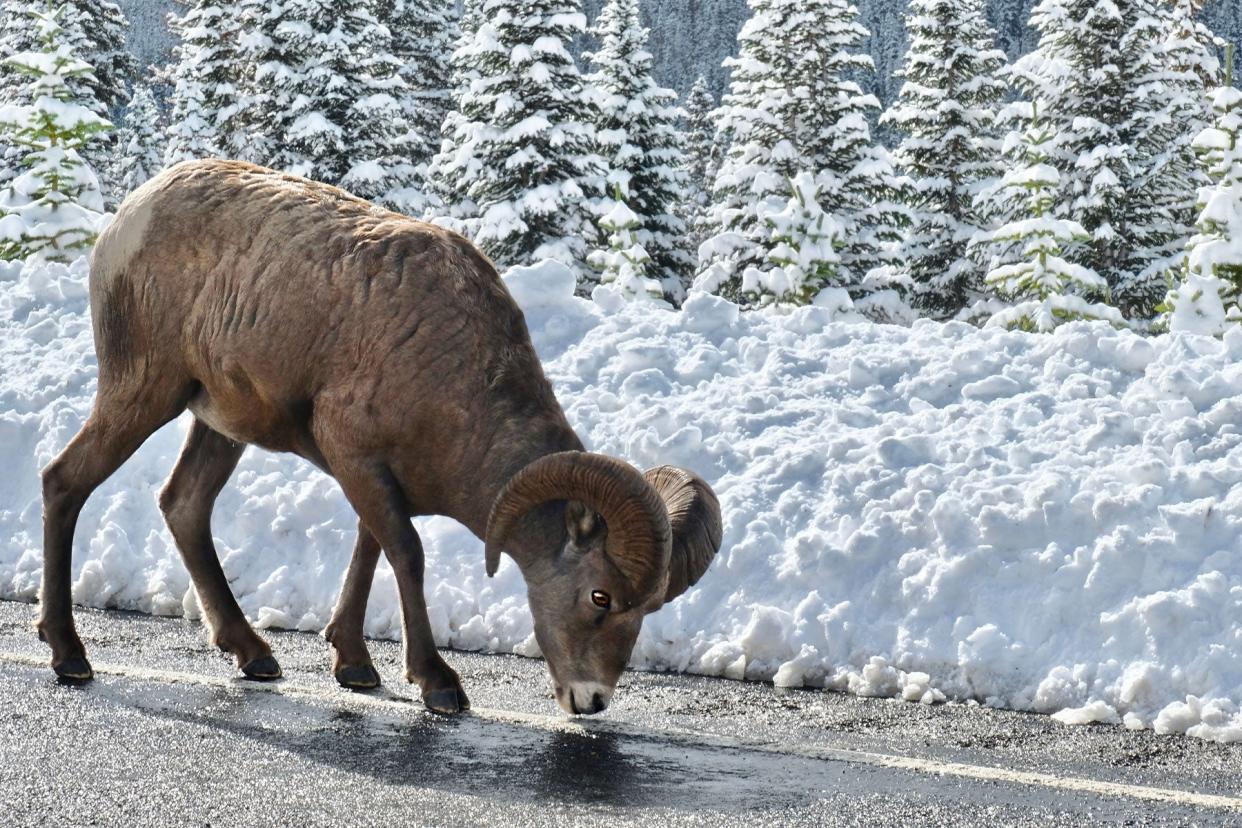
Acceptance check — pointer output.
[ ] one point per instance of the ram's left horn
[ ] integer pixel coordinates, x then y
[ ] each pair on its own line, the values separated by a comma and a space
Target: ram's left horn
694, 519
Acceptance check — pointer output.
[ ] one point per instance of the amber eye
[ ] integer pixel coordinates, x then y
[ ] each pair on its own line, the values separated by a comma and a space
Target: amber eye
601, 599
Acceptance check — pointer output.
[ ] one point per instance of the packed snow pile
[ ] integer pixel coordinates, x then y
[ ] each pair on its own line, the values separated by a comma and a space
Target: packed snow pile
1049, 522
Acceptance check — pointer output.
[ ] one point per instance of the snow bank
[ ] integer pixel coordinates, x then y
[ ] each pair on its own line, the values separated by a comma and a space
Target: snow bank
1048, 522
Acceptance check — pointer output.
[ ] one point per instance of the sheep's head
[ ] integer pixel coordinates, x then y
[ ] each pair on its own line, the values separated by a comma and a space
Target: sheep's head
615, 545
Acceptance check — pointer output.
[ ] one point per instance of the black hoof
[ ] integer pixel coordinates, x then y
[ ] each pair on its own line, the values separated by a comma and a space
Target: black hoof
364, 677
76, 670
263, 668
447, 701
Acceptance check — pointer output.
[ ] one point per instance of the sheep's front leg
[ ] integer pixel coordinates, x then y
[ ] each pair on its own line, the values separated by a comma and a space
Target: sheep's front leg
377, 498
351, 662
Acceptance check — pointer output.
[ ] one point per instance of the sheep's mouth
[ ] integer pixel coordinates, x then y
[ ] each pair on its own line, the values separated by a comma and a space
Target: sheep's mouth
597, 704
586, 702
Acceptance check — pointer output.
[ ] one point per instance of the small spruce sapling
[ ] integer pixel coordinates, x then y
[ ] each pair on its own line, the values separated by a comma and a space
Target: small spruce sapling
802, 259
53, 209
1042, 288
624, 266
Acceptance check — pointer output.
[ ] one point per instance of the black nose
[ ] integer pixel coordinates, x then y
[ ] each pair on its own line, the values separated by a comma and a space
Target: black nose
597, 703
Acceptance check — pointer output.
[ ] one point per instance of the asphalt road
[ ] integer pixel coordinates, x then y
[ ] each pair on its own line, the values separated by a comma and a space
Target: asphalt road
168, 735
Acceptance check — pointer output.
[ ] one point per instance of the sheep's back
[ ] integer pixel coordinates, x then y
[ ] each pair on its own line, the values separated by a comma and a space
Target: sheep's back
277, 294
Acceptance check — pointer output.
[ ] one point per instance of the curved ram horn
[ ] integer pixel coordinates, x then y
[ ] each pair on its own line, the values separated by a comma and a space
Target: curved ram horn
639, 541
694, 519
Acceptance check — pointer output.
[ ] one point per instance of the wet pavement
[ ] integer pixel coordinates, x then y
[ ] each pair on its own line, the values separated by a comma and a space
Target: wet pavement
168, 735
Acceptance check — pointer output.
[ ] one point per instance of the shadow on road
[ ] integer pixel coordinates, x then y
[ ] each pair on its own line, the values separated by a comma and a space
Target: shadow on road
495, 760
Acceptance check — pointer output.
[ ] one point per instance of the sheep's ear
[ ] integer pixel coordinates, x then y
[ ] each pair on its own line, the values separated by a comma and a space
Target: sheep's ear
694, 518
581, 523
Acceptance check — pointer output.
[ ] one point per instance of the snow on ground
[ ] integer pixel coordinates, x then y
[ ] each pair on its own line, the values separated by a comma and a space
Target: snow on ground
1049, 522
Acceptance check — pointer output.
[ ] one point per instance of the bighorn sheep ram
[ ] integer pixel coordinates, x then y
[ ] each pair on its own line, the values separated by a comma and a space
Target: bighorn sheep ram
290, 315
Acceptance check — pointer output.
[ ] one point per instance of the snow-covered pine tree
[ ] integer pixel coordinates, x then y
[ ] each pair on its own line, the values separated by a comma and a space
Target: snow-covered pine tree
624, 267
139, 149
1192, 48
423, 32
53, 209
803, 257
319, 83
1191, 69
945, 113
1040, 286
379, 165
792, 108
517, 162
701, 150
637, 137
18, 33
96, 31
100, 41
1207, 297
204, 79
1099, 76
702, 160
102, 45
451, 168
471, 17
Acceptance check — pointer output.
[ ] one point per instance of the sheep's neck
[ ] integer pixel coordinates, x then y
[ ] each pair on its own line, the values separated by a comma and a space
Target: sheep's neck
507, 455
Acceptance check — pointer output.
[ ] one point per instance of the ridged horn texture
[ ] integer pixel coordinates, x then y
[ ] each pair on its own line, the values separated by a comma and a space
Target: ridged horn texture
694, 519
639, 540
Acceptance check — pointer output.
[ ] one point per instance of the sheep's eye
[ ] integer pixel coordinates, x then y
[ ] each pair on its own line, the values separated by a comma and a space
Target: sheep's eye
601, 599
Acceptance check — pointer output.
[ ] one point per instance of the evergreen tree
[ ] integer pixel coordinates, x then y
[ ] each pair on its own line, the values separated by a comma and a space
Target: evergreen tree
637, 136
320, 83
945, 112
52, 210
18, 33
1191, 69
1099, 74
204, 80
95, 29
451, 168
803, 257
139, 151
98, 37
1224, 18
100, 41
790, 109
422, 41
1042, 288
702, 160
1211, 279
1192, 48
624, 267
379, 161
517, 161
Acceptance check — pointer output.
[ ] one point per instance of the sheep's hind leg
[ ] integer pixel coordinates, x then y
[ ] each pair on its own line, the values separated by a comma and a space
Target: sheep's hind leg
117, 426
351, 662
380, 503
206, 462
